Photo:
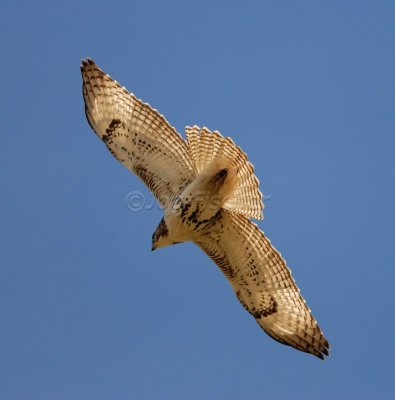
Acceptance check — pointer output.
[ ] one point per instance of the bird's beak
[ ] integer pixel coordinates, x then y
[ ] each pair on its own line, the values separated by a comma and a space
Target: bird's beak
153, 247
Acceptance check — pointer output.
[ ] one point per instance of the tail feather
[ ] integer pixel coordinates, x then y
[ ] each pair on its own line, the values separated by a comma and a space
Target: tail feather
207, 146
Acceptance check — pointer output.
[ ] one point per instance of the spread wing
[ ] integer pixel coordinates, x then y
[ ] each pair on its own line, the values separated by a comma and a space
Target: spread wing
262, 282
137, 135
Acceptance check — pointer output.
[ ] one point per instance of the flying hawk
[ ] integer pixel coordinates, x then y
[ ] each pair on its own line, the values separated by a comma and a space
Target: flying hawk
209, 193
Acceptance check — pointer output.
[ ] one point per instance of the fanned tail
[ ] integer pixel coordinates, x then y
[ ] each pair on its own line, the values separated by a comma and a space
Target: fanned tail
207, 146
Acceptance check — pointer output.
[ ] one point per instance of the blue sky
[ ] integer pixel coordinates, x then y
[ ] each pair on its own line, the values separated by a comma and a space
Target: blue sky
306, 89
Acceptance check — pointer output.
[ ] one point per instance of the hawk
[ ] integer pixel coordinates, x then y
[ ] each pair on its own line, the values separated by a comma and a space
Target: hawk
209, 194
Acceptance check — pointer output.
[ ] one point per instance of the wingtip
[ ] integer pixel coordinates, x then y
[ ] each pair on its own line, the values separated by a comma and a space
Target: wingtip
86, 61
327, 345
323, 352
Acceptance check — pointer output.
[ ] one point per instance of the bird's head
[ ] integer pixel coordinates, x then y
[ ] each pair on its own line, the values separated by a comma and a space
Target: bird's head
161, 237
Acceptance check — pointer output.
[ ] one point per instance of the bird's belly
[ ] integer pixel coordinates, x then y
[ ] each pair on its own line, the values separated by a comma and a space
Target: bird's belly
189, 220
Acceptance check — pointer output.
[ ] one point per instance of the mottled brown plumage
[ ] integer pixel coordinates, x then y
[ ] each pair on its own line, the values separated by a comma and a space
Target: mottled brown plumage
209, 192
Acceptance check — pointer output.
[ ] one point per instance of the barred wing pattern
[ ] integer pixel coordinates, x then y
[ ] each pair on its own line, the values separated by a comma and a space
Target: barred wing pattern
262, 282
205, 146
137, 135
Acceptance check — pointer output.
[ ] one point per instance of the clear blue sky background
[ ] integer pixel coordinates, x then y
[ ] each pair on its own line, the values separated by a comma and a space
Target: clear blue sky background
306, 89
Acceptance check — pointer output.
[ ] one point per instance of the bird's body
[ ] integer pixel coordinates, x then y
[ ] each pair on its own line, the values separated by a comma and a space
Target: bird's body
209, 193
198, 206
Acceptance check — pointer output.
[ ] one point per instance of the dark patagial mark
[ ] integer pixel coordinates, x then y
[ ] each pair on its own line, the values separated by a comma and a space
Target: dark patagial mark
111, 128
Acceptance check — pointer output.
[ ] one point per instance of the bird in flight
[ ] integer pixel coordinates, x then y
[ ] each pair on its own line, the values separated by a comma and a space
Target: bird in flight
209, 194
